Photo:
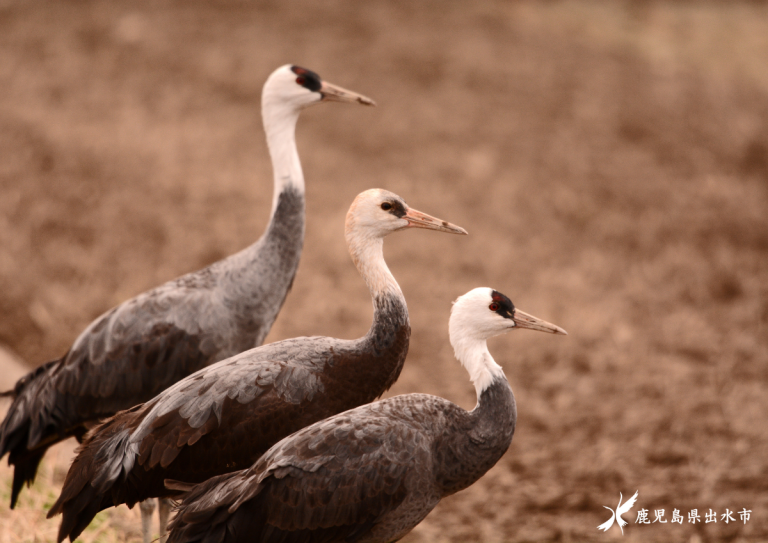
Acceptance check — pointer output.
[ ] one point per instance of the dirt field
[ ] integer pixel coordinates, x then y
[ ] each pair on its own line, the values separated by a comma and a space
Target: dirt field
610, 161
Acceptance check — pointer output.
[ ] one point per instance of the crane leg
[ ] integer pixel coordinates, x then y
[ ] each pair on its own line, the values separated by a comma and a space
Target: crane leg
164, 511
147, 507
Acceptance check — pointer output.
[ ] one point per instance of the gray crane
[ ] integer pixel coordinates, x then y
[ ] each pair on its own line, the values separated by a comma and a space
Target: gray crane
223, 417
137, 349
372, 473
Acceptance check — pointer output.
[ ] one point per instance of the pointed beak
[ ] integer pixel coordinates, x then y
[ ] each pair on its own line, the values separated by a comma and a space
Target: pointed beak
417, 219
524, 320
337, 94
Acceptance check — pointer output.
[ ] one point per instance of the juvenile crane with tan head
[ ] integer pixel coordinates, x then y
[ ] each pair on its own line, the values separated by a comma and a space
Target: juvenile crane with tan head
225, 416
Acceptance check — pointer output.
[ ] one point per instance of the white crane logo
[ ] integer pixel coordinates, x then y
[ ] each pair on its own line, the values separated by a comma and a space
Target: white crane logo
620, 510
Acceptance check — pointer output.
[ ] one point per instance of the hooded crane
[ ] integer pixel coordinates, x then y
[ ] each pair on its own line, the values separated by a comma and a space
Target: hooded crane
225, 416
134, 351
373, 473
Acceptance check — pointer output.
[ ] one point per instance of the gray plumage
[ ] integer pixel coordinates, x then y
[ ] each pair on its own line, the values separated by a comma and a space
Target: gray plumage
372, 473
225, 416
134, 351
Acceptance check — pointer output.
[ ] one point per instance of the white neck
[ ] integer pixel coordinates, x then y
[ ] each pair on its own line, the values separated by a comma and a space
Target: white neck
367, 253
280, 127
477, 360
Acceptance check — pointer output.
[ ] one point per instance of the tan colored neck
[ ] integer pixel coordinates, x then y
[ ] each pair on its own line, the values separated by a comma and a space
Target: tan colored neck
368, 256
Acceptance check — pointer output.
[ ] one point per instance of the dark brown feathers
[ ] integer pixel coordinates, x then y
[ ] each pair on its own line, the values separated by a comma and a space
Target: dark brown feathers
58, 399
371, 474
332, 481
225, 416
139, 348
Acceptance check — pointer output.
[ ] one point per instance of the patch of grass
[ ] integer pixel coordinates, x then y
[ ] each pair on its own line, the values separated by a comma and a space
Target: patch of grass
27, 523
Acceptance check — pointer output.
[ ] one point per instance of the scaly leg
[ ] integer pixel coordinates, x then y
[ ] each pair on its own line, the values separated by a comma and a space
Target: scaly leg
147, 507
164, 510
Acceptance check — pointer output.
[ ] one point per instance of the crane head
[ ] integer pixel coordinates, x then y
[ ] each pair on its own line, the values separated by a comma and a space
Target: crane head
299, 88
484, 313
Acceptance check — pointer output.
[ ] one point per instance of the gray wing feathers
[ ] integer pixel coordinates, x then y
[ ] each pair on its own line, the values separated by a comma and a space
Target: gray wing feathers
116, 463
133, 320
244, 378
348, 470
105, 366
200, 397
238, 292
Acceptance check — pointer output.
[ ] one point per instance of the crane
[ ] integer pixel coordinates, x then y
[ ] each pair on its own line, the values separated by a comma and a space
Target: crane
370, 474
135, 350
223, 417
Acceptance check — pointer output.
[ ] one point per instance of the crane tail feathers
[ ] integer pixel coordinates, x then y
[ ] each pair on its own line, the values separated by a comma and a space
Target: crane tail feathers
25, 469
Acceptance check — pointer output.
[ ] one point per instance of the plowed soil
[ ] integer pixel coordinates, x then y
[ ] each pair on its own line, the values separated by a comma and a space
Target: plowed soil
609, 160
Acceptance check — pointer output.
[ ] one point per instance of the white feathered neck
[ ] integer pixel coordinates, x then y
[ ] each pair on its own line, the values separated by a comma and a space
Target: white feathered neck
470, 326
279, 116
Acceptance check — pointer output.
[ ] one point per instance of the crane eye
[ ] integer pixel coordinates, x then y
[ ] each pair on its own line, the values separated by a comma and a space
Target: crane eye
494, 306
386, 206
300, 80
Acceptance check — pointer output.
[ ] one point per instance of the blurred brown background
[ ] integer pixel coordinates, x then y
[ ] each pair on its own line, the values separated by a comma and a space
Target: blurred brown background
609, 159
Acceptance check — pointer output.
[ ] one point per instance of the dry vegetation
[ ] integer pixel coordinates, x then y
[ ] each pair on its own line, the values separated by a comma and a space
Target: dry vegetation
27, 523
609, 159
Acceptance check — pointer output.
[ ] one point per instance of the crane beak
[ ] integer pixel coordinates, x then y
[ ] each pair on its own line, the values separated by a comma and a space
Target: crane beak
524, 320
417, 219
337, 94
